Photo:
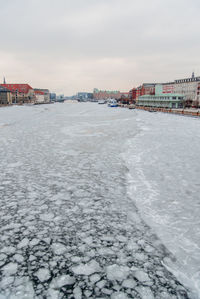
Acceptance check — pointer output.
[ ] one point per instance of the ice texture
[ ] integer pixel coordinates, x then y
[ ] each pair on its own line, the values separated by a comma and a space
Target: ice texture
87, 269
115, 272
163, 163
79, 183
43, 274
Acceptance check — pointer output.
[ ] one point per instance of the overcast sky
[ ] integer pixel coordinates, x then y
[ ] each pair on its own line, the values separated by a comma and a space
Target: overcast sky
76, 45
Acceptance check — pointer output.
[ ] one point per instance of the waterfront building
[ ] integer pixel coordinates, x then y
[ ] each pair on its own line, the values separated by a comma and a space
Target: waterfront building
39, 96
190, 88
161, 99
168, 87
60, 98
125, 98
52, 97
5, 96
21, 93
84, 96
106, 94
132, 95
46, 94
145, 89
124, 95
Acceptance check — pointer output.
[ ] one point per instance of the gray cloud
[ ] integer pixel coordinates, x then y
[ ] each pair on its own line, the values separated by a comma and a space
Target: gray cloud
69, 46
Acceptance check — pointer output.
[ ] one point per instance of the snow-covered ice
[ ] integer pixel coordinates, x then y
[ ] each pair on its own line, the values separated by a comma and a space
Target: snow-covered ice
163, 163
98, 203
115, 272
43, 274
87, 269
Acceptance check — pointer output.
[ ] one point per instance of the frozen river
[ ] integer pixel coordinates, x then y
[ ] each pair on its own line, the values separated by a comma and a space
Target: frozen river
98, 203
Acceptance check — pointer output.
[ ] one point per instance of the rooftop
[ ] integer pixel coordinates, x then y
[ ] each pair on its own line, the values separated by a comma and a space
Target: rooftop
21, 88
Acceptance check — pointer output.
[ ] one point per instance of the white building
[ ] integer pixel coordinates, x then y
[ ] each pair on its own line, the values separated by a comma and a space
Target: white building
189, 87
40, 98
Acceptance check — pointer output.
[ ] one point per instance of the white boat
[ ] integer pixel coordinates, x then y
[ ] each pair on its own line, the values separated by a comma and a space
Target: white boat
112, 103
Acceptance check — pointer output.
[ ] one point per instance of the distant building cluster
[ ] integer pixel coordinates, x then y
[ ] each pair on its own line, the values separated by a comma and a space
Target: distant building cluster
106, 94
84, 96
177, 94
180, 93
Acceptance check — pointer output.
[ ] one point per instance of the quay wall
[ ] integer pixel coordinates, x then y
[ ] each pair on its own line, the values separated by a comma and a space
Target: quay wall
166, 110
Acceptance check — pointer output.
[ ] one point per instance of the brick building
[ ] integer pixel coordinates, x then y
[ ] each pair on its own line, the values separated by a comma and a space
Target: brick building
145, 89
106, 94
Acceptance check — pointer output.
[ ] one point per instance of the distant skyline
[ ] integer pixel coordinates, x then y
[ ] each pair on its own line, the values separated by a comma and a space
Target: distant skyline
69, 46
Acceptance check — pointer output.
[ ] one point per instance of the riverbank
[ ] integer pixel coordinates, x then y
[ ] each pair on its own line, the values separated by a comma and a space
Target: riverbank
186, 112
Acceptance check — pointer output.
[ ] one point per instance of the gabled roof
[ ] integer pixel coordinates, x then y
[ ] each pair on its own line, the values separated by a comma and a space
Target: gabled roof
21, 88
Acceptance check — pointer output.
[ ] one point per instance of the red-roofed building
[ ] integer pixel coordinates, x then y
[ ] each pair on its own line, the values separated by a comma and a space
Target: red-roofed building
21, 93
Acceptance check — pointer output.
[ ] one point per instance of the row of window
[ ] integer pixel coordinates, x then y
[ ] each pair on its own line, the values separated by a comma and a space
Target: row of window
162, 98
188, 80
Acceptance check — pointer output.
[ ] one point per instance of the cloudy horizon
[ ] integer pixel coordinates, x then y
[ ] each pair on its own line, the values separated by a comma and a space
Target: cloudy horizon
70, 46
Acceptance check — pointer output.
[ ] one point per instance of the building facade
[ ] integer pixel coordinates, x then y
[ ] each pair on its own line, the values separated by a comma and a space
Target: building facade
39, 95
106, 94
21, 93
189, 87
161, 99
5, 96
132, 95
84, 96
145, 89
46, 94
52, 97
168, 87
